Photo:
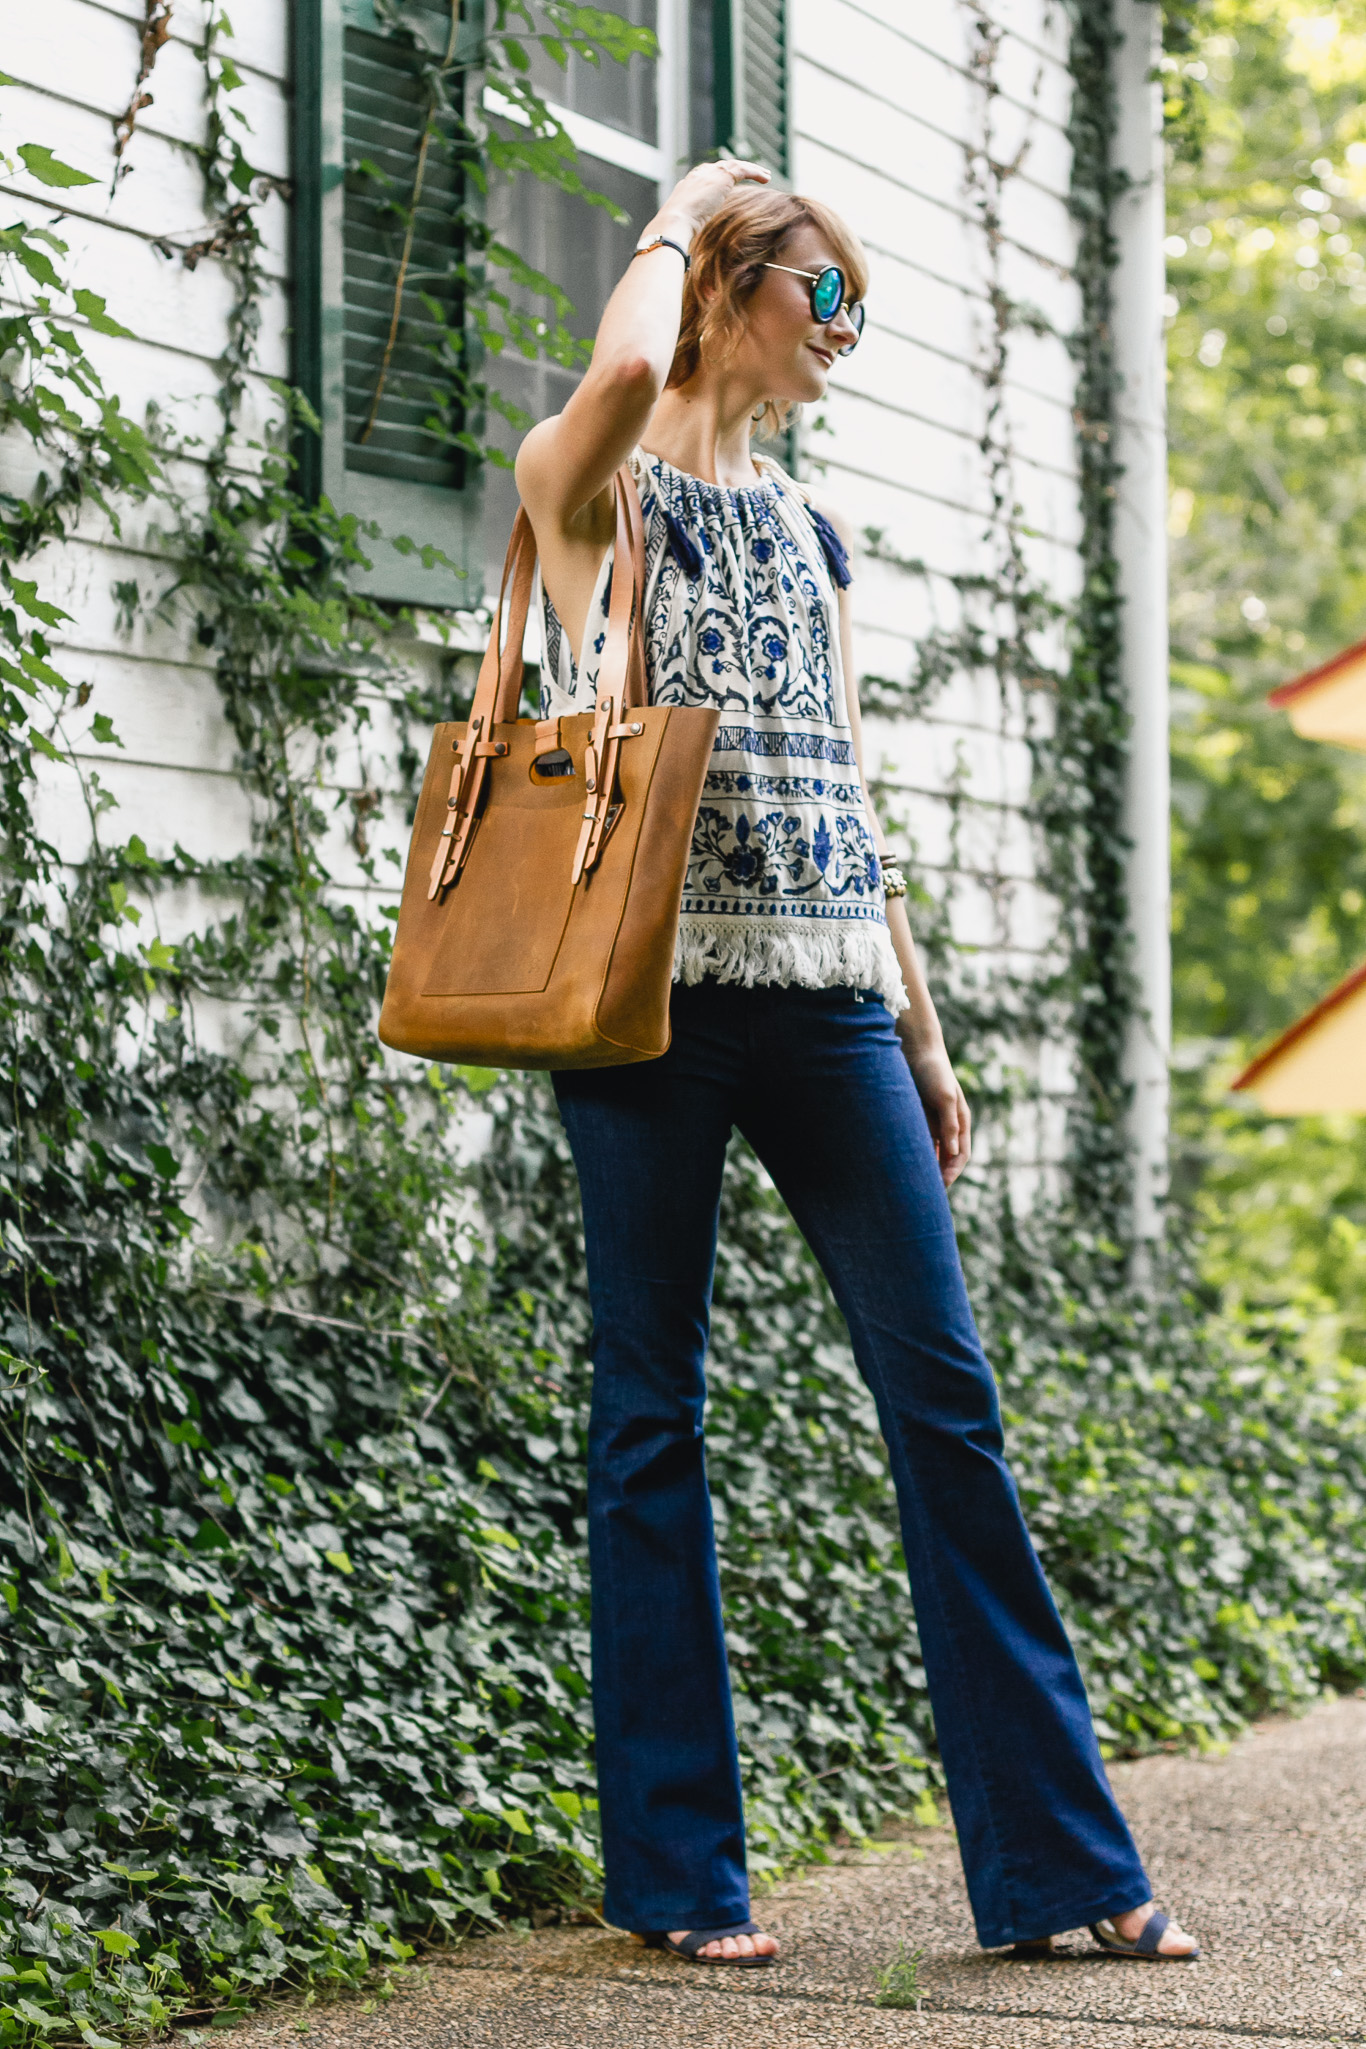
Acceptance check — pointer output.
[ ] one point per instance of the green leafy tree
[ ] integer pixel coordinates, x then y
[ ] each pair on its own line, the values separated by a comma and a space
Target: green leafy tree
1268, 515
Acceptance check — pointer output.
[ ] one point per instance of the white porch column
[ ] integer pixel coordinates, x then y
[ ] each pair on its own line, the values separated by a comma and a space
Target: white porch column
1141, 548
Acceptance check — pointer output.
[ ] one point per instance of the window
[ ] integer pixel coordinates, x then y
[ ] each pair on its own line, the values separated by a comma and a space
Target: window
622, 120
378, 288
369, 353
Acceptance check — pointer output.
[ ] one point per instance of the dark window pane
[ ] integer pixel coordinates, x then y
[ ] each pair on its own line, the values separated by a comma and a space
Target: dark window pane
703, 133
585, 251
622, 95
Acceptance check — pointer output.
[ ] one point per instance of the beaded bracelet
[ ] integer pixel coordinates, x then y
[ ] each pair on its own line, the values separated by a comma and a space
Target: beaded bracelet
894, 883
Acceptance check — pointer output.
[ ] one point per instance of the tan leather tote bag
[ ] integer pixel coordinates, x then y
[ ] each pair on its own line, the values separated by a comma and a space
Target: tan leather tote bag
540, 907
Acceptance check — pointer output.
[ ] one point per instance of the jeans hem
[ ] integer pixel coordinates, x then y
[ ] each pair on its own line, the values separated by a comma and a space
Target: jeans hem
689, 1918
1073, 1913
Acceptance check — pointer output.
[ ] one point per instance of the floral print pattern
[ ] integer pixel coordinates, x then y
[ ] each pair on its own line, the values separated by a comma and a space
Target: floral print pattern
783, 880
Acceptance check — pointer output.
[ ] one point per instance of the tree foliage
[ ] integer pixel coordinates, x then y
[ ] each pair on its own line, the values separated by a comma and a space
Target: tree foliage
1268, 425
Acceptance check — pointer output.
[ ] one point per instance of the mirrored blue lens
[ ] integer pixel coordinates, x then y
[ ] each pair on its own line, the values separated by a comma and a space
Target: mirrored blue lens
827, 294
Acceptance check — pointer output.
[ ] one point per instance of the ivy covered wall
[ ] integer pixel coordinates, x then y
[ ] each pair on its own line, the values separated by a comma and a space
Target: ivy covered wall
294, 1602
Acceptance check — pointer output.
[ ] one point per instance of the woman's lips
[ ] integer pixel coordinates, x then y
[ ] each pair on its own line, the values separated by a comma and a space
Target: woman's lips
826, 355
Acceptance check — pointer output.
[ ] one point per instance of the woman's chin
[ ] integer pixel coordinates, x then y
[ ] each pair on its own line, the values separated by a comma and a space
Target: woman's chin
802, 390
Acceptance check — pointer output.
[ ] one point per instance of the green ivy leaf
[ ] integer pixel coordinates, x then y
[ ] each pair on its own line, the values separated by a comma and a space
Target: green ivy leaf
478, 1080
91, 306
39, 266
26, 596
40, 163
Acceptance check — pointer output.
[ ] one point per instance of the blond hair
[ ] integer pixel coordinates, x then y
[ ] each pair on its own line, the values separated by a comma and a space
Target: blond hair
728, 258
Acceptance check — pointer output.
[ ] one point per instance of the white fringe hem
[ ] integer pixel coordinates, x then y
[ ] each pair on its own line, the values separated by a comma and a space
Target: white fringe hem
759, 949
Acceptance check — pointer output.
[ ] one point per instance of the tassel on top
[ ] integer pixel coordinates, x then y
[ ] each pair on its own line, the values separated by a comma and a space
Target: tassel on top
833, 547
683, 547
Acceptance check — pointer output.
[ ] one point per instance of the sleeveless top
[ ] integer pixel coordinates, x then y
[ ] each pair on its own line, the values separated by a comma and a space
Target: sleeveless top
741, 613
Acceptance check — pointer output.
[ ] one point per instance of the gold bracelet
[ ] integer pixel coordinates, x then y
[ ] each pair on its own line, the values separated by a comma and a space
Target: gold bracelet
894, 883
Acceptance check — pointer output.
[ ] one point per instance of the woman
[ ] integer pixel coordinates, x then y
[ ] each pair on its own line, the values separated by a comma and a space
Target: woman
801, 1016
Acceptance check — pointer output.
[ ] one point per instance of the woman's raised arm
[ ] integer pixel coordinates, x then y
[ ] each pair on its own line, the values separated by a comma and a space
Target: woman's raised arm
566, 463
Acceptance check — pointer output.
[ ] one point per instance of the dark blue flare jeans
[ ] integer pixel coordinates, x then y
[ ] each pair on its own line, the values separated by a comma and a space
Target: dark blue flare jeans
817, 1082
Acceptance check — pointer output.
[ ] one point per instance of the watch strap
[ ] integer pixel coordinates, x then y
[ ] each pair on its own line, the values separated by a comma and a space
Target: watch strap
662, 242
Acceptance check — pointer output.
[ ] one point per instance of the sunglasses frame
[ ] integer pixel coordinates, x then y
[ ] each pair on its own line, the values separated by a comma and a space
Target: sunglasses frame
851, 306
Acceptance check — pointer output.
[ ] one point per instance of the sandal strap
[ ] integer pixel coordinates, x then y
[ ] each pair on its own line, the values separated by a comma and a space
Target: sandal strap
697, 1938
1153, 1930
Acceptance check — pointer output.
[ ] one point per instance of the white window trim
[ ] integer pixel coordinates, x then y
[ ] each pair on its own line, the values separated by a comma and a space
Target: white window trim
593, 138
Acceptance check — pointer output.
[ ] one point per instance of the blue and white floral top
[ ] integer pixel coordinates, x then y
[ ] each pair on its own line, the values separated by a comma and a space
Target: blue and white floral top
741, 611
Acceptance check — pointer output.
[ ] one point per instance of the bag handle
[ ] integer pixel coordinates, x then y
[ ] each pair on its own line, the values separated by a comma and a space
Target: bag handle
621, 687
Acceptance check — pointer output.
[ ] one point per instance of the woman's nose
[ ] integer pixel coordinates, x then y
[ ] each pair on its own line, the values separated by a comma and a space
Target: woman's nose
842, 330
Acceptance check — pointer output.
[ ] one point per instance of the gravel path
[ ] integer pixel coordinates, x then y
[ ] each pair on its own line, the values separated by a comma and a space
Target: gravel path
1262, 1852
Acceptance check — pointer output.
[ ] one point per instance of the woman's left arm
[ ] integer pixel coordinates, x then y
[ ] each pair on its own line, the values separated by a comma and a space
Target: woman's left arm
918, 1027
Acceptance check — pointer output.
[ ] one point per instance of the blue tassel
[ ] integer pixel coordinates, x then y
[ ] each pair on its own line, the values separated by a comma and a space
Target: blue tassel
833, 546
684, 547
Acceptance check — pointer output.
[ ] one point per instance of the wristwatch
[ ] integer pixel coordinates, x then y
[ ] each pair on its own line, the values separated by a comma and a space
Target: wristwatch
662, 242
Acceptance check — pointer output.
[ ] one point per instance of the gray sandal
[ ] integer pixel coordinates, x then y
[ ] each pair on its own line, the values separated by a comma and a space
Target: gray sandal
697, 1939
1154, 1928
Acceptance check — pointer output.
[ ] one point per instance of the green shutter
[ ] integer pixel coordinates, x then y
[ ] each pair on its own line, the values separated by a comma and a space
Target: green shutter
361, 110
751, 73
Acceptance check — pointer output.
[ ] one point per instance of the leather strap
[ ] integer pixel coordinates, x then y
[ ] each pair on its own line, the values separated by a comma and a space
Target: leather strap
499, 673
621, 672
621, 686
621, 680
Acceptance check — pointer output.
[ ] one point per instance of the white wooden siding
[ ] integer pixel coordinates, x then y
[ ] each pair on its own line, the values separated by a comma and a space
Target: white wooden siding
889, 107
890, 116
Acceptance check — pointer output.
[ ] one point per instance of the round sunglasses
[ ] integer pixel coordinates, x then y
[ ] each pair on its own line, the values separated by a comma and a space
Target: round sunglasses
827, 296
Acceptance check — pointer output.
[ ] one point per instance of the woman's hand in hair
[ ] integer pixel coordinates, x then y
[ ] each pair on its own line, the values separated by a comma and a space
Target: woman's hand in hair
707, 187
